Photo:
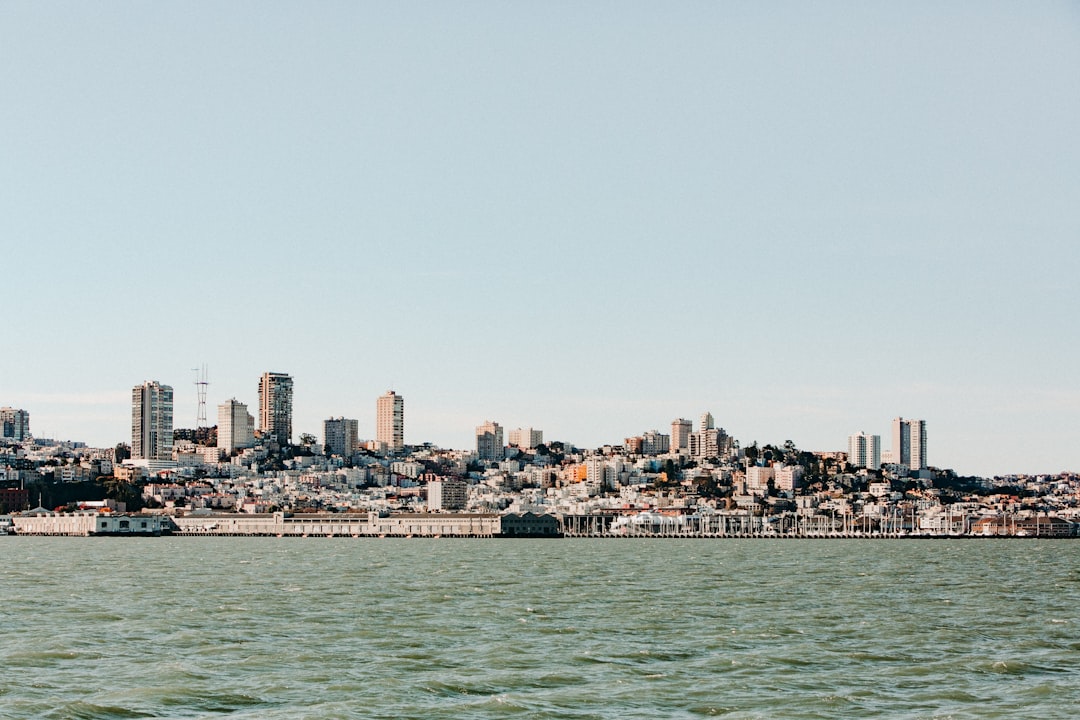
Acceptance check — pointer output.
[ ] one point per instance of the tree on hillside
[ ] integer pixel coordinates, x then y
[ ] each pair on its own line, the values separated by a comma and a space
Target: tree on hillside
752, 453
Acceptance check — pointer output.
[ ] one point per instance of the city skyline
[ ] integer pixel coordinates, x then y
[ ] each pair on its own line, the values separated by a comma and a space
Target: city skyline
590, 220
152, 415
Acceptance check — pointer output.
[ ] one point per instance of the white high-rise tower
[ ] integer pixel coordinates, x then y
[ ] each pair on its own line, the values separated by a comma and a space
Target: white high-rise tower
151, 421
236, 426
864, 450
275, 406
909, 443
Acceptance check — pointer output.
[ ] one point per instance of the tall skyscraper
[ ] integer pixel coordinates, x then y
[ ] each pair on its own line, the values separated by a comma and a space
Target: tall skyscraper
909, 443
707, 422
680, 435
864, 450
14, 424
390, 420
236, 426
339, 435
151, 421
489, 441
275, 406
709, 440
713, 442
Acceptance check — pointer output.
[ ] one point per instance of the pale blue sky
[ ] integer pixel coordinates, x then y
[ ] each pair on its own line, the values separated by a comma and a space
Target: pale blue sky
591, 218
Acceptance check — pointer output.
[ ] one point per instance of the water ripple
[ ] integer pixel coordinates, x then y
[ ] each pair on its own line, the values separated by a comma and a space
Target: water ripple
249, 628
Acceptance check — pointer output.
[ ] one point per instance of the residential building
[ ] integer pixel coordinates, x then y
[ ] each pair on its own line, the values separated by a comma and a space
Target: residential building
275, 406
600, 475
680, 435
447, 494
14, 424
655, 443
236, 426
864, 451
652, 442
909, 443
788, 477
390, 420
489, 441
526, 438
757, 478
713, 442
340, 436
152, 421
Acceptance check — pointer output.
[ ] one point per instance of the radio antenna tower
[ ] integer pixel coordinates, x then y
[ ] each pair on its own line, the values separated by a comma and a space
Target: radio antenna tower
200, 383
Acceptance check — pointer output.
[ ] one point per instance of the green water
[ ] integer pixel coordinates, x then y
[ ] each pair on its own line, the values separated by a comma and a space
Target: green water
421, 628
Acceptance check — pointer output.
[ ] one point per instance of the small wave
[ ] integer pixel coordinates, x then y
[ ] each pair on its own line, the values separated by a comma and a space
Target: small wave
80, 710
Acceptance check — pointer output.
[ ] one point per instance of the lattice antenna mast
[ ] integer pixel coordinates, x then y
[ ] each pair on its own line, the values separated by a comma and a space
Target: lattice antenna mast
201, 375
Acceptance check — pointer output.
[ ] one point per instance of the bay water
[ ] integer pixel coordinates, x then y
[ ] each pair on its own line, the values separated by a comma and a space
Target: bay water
102, 628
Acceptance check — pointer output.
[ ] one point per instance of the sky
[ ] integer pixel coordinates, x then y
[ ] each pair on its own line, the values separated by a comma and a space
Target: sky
588, 218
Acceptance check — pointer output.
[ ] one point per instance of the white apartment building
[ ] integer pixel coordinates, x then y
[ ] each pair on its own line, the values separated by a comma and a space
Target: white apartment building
655, 443
275, 406
788, 477
489, 441
757, 478
340, 436
236, 426
526, 438
909, 443
447, 495
864, 450
152, 421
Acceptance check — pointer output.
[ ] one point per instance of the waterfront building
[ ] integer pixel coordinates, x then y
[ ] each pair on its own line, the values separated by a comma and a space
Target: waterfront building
680, 435
87, 523
909, 443
152, 421
529, 524
448, 494
339, 436
864, 451
390, 420
236, 426
275, 406
14, 424
489, 441
526, 438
